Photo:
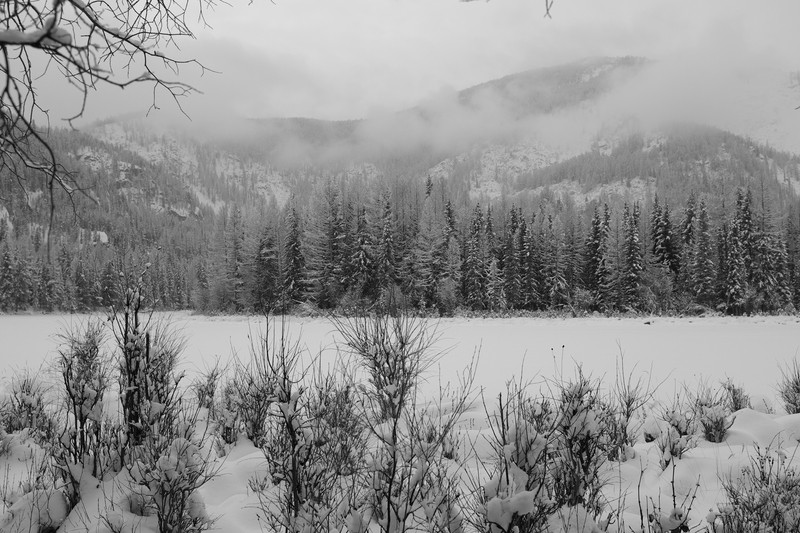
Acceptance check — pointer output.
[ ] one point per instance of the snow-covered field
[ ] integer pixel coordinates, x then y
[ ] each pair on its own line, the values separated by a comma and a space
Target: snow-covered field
679, 351
751, 351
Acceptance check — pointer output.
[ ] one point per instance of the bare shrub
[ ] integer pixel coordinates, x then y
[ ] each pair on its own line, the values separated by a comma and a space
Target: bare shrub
522, 435
789, 387
712, 412
679, 435
395, 351
402, 493
206, 386
582, 445
627, 398
167, 471
766, 497
735, 396
83, 448
25, 407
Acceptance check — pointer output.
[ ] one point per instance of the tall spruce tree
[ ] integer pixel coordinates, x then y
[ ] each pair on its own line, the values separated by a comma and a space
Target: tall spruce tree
293, 272
633, 260
702, 275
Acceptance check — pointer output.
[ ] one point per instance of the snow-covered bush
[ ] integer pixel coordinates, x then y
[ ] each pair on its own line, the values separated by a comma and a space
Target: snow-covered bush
166, 476
228, 413
582, 444
84, 372
712, 412
306, 483
789, 387
626, 400
735, 396
148, 358
766, 497
406, 489
205, 387
336, 407
394, 351
252, 396
32, 501
25, 407
679, 435
517, 496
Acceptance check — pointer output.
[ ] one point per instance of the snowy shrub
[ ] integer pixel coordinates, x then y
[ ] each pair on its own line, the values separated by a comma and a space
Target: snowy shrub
582, 444
40, 510
735, 396
25, 407
148, 384
712, 412
292, 447
517, 495
678, 436
625, 403
228, 413
336, 407
394, 351
403, 490
766, 497
166, 475
84, 372
789, 387
253, 395
205, 387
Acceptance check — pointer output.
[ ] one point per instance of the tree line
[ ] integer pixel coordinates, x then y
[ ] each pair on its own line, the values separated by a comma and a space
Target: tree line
420, 252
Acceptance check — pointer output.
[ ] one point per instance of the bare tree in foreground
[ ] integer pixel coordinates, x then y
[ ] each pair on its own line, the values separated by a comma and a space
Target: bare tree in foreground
87, 44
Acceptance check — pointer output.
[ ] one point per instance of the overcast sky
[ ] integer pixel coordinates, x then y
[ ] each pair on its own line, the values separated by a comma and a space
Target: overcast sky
339, 59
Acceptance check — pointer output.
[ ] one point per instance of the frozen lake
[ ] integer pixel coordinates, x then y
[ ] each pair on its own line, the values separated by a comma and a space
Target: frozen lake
750, 350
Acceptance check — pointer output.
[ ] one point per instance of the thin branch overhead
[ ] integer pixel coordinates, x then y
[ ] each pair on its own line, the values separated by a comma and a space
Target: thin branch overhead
87, 44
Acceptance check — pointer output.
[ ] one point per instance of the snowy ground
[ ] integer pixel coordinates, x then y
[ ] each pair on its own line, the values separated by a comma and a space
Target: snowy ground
751, 351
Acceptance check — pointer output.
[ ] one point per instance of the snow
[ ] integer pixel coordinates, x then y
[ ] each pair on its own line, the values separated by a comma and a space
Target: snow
679, 350
749, 350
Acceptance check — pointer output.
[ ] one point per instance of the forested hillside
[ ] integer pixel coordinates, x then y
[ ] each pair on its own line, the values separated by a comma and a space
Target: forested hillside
695, 216
285, 214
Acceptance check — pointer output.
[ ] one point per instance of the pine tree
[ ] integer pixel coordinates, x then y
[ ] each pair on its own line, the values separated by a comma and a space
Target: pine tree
426, 256
702, 266
64, 261
84, 298
555, 292
266, 272
736, 286
495, 293
363, 265
322, 249
202, 297
633, 260
110, 293
46, 297
293, 272
687, 233
23, 282
596, 271
6, 279
664, 248
236, 261
743, 219
385, 257
474, 270
511, 268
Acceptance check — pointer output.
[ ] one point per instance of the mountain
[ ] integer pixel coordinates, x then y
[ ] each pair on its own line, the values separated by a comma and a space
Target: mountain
604, 130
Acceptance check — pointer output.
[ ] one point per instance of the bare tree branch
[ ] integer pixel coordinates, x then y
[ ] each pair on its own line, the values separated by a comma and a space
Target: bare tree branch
90, 43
